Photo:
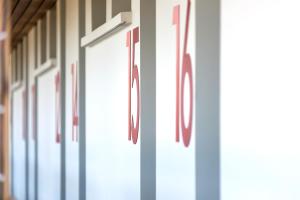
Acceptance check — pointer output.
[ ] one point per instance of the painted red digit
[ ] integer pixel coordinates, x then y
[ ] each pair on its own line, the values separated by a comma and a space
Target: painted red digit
75, 118
185, 71
133, 76
57, 107
128, 44
24, 114
176, 22
33, 112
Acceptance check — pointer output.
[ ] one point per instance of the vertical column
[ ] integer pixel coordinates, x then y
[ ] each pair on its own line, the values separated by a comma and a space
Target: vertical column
60, 49
82, 144
109, 6
38, 64
37, 58
207, 99
31, 57
36, 178
148, 98
88, 17
13, 65
25, 79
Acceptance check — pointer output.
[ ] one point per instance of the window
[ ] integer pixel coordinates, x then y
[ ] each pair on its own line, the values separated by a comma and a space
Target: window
42, 40
98, 13
19, 62
51, 33
102, 17
14, 65
46, 37
120, 6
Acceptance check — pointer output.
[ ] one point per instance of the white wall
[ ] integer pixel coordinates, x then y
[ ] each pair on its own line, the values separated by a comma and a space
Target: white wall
260, 108
175, 163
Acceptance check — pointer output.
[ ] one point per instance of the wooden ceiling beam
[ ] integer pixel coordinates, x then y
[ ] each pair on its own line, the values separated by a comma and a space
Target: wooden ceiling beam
13, 5
47, 4
25, 19
19, 11
34, 11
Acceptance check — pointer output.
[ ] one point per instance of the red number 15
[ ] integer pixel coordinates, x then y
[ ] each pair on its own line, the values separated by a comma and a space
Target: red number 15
133, 76
186, 70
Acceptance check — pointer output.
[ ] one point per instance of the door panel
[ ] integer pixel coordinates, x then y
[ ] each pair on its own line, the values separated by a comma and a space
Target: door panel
18, 140
48, 148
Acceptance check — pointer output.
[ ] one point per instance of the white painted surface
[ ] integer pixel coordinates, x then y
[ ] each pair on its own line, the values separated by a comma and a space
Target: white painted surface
175, 165
18, 146
260, 109
48, 149
112, 162
72, 147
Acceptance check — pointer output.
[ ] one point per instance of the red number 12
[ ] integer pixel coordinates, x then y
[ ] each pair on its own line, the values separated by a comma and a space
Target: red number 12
75, 118
133, 76
186, 70
57, 107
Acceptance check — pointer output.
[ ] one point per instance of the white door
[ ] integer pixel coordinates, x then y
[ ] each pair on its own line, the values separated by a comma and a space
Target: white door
48, 140
18, 140
112, 160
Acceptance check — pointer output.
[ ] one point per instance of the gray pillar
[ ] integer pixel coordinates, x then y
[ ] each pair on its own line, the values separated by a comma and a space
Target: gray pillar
25, 69
207, 99
82, 160
60, 58
148, 98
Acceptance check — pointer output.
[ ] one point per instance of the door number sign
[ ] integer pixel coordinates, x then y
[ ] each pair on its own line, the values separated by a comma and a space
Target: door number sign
133, 77
186, 71
75, 118
57, 108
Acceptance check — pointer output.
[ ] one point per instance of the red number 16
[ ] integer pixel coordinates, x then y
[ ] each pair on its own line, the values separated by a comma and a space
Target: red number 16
133, 76
186, 70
